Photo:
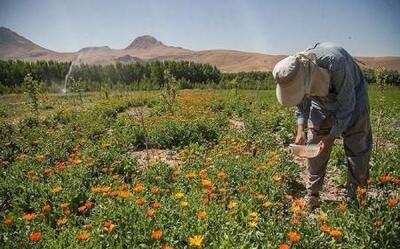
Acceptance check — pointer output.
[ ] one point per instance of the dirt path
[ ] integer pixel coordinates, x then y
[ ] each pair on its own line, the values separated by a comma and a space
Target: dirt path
331, 191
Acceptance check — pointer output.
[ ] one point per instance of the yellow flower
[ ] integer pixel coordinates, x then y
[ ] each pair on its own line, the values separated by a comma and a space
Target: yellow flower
267, 204
56, 190
252, 224
184, 204
179, 195
196, 241
232, 204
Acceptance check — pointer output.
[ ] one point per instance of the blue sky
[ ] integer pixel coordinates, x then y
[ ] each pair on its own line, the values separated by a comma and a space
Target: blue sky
369, 27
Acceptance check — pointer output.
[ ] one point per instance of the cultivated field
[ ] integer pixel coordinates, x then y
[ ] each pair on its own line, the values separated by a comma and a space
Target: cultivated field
209, 169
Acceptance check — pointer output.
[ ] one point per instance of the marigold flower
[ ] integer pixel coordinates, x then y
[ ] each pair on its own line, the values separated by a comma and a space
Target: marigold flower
138, 188
260, 196
378, 223
191, 176
62, 221
361, 191
252, 224
83, 236
155, 190
150, 212
322, 218
207, 184
196, 241
8, 221
47, 208
124, 194
67, 212
267, 204
276, 178
140, 201
87, 227
156, 205
36, 236
342, 207
202, 215
294, 237
29, 216
156, 235
205, 201
393, 202
232, 204
242, 188
179, 195
109, 226
385, 178
56, 190
284, 246
325, 228
296, 222
184, 204
82, 209
336, 233
221, 175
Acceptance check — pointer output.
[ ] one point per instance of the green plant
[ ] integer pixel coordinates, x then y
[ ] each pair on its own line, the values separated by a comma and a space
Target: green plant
32, 89
170, 90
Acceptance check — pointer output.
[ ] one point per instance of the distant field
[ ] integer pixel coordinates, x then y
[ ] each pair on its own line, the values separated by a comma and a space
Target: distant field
212, 172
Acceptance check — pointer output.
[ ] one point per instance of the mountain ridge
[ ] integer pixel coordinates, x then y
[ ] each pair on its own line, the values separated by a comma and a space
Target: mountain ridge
147, 48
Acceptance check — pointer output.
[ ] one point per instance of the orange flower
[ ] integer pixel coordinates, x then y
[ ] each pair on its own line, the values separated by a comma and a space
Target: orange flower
336, 233
205, 201
150, 212
124, 194
155, 190
138, 188
361, 191
8, 221
56, 190
393, 202
140, 201
322, 218
64, 205
378, 223
267, 204
158, 178
326, 229
36, 236
207, 184
47, 208
260, 196
385, 179
342, 207
221, 175
242, 188
29, 217
82, 209
156, 205
109, 226
87, 227
83, 236
62, 221
284, 246
294, 237
156, 235
67, 212
196, 241
202, 215
296, 222
191, 176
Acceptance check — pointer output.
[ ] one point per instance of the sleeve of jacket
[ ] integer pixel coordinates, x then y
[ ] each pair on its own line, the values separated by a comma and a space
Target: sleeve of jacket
303, 111
344, 85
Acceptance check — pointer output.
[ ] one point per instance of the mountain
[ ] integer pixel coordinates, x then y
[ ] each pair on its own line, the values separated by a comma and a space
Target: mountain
147, 48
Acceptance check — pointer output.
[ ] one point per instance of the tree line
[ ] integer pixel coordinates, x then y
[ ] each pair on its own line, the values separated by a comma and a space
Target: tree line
145, 76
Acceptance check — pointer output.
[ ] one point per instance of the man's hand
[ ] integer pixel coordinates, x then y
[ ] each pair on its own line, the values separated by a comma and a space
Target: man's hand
301, 135
326, 144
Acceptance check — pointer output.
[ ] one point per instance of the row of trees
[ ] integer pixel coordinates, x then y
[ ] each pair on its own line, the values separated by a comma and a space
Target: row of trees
145, 76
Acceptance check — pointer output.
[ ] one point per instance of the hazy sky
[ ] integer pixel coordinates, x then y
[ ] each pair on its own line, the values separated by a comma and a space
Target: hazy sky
370, 27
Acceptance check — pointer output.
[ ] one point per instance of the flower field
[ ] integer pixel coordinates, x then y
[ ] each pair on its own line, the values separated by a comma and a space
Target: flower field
69, 179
